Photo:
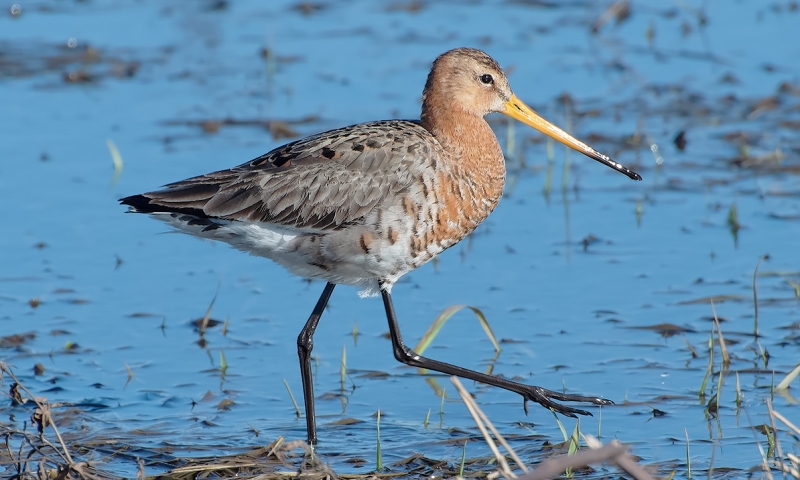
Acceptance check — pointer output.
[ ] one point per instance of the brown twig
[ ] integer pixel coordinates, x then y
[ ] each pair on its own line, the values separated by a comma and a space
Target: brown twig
623, 460
45, 417
553, 467
614, 453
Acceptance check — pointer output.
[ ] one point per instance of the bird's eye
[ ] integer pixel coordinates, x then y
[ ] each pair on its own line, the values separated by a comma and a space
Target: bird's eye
487, 79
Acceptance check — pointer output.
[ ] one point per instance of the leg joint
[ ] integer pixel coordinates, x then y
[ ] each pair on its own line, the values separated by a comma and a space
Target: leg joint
305, 343
405, 355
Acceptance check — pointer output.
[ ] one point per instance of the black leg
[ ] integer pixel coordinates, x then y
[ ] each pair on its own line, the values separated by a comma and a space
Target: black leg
539, 395
305, 343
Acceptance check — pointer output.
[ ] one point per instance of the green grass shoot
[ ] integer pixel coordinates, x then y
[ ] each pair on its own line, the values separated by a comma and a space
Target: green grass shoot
710, 367
207, 316
738, 392
354, 333
574, 438
223, 363
771, 440
573, 444
443, 317
378, 455
343, 366
755, 296
130, 374
560, 426
772, 387
733, 223
463, 459
688, 458
116, 157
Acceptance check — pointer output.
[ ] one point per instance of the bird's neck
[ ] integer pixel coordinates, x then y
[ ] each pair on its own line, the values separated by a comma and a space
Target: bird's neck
473, 145
475, 174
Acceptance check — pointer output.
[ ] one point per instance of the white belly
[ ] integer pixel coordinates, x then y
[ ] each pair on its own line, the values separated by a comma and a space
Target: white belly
334, 256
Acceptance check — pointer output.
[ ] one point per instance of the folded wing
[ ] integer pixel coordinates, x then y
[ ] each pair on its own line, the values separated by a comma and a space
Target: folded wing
324, 182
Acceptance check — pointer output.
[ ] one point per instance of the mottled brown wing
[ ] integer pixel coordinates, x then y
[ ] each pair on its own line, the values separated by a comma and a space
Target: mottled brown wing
326, 181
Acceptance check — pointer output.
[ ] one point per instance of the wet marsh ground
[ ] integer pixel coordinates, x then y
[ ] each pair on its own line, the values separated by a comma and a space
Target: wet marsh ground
592, 283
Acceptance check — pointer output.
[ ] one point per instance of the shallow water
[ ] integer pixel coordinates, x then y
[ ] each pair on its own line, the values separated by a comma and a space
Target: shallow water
574, 278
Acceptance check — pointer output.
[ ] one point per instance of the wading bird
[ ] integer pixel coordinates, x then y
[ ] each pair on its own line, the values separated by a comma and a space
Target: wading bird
366, 204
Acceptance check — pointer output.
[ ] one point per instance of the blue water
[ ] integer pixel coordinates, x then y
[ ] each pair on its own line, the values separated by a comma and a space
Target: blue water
69, 244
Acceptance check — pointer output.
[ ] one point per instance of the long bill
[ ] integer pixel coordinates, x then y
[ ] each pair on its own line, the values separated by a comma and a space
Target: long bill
517, 110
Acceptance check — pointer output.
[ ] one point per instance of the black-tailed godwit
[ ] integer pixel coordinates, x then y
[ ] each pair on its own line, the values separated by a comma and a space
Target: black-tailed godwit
366, 204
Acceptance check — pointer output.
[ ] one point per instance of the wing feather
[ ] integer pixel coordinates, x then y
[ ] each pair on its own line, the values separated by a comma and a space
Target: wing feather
326, 181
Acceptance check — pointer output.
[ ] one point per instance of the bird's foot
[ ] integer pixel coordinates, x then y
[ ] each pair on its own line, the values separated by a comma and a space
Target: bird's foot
545, 398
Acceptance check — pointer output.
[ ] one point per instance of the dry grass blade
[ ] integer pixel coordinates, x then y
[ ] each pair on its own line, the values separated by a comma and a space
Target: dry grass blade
788, 379
473, 410
116, 157
774, 429
294, 402
691, 348
792, 463
462, 391
723, 349
786, 422
130, 375
343, 367
443, 317
710, 366
270, 462
614, 452
764, 461
207, 316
